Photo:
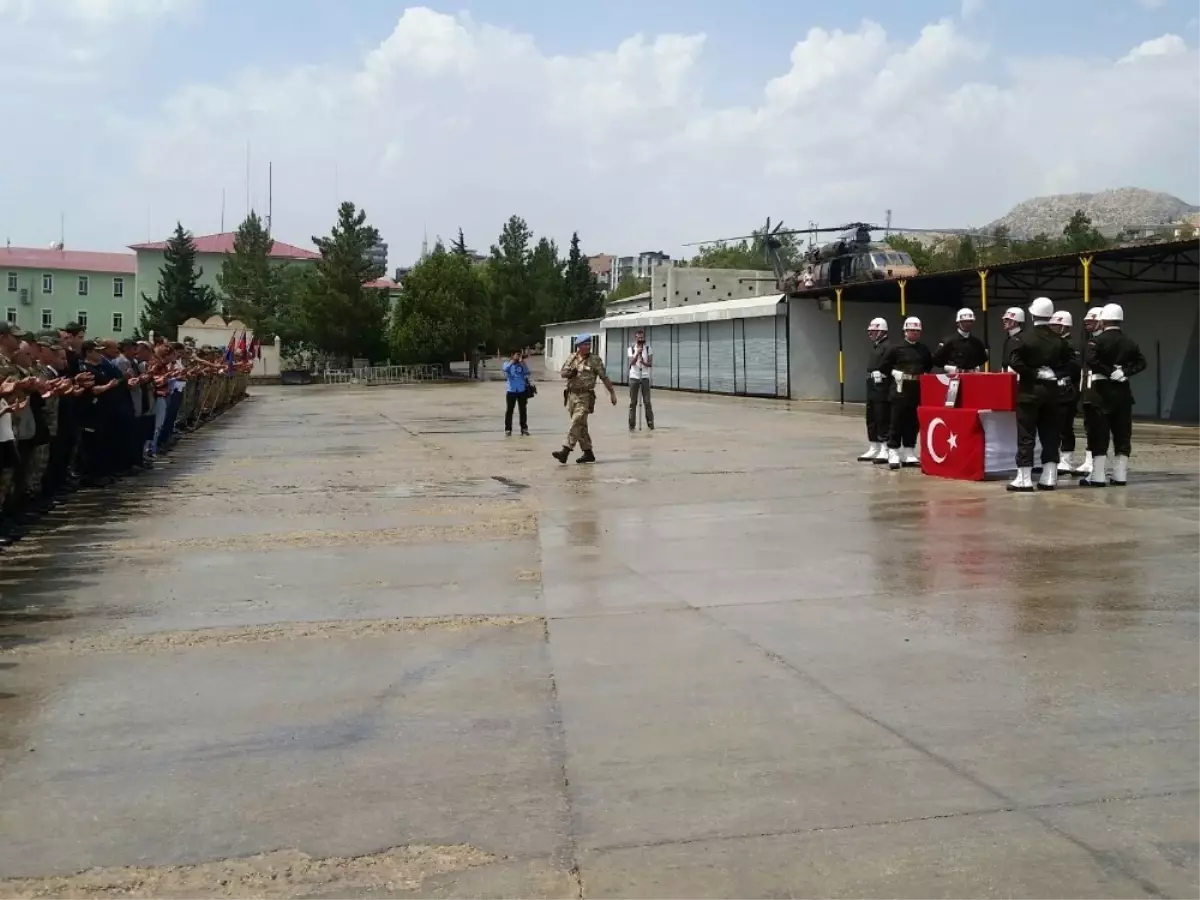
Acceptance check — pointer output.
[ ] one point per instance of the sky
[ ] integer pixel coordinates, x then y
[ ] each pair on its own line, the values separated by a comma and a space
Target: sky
640, 126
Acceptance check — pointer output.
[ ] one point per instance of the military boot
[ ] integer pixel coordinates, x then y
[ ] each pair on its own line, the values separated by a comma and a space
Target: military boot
586, 457
561, 455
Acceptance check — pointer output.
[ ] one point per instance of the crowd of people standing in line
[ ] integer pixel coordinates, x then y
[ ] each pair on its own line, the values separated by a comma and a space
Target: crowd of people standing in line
77, 413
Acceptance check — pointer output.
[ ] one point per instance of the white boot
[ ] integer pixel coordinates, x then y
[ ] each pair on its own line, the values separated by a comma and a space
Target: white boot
1086, 467
1095, 478
1049, 479
1065, 463
910, 457
1024, 480
1120, 471
872, 452
893, 457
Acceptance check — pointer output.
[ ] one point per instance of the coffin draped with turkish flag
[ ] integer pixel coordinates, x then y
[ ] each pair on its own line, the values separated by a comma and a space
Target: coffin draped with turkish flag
974, 438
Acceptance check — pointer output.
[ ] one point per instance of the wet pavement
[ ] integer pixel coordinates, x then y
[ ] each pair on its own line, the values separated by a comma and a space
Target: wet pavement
355, 642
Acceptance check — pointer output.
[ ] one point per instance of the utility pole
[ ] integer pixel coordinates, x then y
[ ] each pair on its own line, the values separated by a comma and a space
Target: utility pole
888, 226
270, 195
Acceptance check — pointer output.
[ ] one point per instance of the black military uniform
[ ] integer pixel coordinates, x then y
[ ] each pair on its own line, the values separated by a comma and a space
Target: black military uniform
965, 352
1068, 372
1036, 357
910, 362
1107, 351
879, 404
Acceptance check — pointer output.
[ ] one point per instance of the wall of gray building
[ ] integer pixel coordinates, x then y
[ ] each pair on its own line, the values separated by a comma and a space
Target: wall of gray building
682, 286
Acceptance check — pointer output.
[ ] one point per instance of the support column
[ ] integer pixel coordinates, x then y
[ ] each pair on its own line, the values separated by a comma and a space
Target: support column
903, 282
983, 274
841, 353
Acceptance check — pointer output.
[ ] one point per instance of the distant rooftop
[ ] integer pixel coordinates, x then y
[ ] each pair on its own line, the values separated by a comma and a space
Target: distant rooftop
75, 260
223, 243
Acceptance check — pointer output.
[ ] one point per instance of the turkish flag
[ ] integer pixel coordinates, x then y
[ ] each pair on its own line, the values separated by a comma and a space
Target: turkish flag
976, 390
951, 443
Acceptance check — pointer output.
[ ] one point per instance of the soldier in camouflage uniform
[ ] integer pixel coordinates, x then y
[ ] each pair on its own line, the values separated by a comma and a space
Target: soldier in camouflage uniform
582, 371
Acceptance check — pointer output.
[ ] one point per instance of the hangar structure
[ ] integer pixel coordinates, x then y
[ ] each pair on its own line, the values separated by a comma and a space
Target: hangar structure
812, 345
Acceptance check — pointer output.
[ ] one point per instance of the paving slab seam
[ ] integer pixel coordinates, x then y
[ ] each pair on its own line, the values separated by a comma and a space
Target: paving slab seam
1105, 860
567, 855
186, 639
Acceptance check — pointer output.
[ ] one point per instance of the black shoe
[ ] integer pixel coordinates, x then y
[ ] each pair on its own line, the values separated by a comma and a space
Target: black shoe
524, 432
508, 432
650, 425
586, 457
561, 455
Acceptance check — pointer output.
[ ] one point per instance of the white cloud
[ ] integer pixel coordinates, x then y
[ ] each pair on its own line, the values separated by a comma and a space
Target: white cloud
454, 122
1167, 45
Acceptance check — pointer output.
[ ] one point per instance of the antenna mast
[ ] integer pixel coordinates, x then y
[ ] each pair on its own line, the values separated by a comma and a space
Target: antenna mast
270, 195
888, 227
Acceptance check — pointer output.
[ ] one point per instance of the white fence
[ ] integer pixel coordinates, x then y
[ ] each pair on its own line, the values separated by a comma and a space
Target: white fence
384, 374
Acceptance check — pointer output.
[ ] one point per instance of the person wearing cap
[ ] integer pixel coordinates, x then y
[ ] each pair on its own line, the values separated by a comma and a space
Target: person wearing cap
1087, 395
1036, 357
1013, 321
879, 405
961, 351
1068, 390
1112, 358
582, 371
904, 363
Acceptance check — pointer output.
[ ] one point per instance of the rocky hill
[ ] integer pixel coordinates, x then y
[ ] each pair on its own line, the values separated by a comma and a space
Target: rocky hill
1109, 210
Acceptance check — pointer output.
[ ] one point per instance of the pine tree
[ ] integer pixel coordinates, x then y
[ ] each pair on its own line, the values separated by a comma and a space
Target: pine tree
180, 295
343, 316
512, 293
583, 297
459, 245
247, 278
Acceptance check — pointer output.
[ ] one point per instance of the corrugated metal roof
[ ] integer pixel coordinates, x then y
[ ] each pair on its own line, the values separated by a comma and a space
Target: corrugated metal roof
223, 243
73, 260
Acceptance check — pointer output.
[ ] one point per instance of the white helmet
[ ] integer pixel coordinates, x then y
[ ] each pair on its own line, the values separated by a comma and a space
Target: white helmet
1015, 314
1041, 308
1062, 317
1093, 313
912, 323
1112, 313
964, 315
877, 324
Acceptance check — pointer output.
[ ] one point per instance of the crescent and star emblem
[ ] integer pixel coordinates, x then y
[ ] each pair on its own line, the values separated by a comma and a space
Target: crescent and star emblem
952, 443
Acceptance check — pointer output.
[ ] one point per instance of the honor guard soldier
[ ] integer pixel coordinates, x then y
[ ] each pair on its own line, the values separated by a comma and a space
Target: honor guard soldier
1037, 356
582, 371
1112, 359
1087, 396
1068, 390
879, 407
904, 363
1012, 322
961, 351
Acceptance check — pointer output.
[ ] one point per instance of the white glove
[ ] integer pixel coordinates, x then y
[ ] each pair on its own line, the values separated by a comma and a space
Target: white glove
877, 377
950, 370
1045, 373
898, 376
1117, 374
1064, 382
1010, 370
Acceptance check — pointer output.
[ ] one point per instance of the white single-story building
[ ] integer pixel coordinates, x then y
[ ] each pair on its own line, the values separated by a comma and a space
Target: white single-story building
560, 342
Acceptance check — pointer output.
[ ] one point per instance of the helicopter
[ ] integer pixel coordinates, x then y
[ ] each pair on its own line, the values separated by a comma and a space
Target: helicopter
849, 258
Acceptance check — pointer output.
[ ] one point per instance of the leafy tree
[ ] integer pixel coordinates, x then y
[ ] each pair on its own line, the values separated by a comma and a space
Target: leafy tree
583, 297
180, 295
547, 285
513, 303
966, 256
748, 254
629, 287
1079, 235
442, 310
341, 315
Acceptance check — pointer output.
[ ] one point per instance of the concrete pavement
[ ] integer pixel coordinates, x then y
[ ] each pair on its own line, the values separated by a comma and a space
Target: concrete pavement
355, 642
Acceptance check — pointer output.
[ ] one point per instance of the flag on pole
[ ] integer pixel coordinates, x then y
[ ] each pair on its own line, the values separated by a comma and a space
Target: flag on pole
241, 344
